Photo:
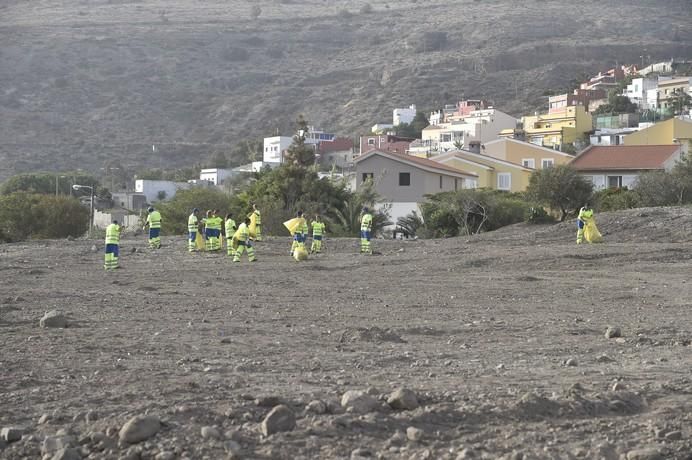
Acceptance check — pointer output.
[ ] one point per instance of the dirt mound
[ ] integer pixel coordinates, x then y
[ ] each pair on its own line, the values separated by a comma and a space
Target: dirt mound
369, 334
575, 404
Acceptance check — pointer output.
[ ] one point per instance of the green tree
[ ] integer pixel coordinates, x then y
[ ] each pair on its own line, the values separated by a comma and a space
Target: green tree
174, 213
299, 153
413, 129
680, 102
617, 105
344, 217
560, 188
45, 183
218, 160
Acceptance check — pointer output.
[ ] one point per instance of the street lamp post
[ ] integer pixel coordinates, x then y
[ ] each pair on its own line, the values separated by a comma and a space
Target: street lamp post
91, 204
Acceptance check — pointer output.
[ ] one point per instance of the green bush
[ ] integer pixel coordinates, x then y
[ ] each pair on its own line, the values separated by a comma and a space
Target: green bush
538, 215
174, 213
25, 215
614, 199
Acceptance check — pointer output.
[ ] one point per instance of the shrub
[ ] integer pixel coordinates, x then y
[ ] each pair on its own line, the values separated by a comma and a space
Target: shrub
560, 188
658, 188
410, 224
25, 215
538, 215
175, 212
614, 199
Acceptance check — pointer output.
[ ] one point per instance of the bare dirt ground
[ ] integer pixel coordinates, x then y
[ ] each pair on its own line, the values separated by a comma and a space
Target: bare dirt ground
501, 337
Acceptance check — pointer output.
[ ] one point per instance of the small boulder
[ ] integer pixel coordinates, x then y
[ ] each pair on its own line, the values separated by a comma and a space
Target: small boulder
361, 453
613, 332
403, 399
414, 434
280, 418
644, 454
53, 318
316, 407
359, 402
11, 434
232, 447
139, 428
674, 435
52, 444
210, 432
571, 362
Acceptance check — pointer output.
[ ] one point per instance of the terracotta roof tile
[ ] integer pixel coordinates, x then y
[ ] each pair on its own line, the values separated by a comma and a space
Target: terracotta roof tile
425, 162
624, 157
339, 144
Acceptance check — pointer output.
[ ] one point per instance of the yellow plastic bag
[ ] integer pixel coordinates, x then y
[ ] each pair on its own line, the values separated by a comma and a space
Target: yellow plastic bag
199, 242
300, 253
295, 224
252, 228
591, 233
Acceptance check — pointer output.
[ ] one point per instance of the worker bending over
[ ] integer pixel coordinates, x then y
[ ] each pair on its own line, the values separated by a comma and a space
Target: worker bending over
154, 224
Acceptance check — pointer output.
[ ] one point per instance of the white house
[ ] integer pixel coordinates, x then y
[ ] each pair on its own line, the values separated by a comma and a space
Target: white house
274, 148
636, 92
610, 136
159, 190
215, 176
405, 115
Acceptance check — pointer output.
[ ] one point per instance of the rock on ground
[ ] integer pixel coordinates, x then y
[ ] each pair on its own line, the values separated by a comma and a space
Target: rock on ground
280, 418
414, 434
358, 401
613, 332
316, 407
53, 444
11, 434
67, 454
210, 432
139, 428
644, 454
53, 318
403, 399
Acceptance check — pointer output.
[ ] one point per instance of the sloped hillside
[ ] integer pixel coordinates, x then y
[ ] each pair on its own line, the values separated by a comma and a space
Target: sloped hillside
91, 83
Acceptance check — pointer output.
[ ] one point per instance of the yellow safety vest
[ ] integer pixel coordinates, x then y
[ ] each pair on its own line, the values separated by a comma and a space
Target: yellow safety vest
113, 234
154, 219
192, 223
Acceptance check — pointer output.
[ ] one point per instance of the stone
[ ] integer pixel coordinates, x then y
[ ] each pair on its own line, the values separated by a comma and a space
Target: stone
165, 455
466, 453
361, 453
268, 401
67, 454
571, 362
316, 407
210, 432
414, 434
43, 419
94, 248
359, 402
92, 416
53, 318
644, 454
604, 359
280, 418
613, 332
232, 447
139, 428
403, 399
53, 444
619, 386
674, 436
11, 434
96, 437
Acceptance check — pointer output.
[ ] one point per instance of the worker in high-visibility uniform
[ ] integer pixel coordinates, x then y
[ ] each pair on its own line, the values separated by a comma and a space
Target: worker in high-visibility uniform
365, 231
213, 225
318, 231
192, 223
154, 224
242, 241
300, 234
258, 221
585, 213
112, 246
230, 228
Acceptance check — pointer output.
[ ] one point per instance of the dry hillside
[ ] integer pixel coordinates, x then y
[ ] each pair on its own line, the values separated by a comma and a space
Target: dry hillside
88, 82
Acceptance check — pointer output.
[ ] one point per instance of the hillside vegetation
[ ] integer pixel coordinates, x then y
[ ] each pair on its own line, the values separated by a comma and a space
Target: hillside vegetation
95, 83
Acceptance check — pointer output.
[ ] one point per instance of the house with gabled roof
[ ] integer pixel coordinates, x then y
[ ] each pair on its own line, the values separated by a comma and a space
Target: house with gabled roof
620, 165
493, 173
404, 180
524, 153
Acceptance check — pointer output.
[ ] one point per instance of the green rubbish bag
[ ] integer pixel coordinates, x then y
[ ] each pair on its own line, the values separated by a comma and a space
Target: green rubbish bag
591, 233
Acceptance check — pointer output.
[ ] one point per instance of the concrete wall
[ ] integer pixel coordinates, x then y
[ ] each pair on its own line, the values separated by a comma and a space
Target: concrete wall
104, 219
151, 188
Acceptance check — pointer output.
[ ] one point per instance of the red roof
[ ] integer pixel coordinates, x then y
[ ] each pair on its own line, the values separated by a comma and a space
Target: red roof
339, 144
624, 157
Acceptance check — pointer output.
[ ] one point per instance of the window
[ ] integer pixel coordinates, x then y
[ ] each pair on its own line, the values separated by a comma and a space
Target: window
371, 141
404, 179
528, 163
547, 163
368, 176
504, 181
440, 182
614, 181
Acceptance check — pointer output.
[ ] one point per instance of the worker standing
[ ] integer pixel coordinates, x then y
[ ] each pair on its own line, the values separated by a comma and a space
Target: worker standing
154, 224
214, 231
365, 231
257, 217
192, 223
585, 213
112, 246
300, 232
230, 228
242, 241
318, 232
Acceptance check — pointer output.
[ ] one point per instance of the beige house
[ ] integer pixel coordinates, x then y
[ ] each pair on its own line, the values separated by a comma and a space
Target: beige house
404, 180
524, 153
492, 173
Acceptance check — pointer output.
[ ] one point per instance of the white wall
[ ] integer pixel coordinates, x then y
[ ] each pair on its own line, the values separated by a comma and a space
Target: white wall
151, 188
273, 146
215, 176
600, 181
403, 115
104, 219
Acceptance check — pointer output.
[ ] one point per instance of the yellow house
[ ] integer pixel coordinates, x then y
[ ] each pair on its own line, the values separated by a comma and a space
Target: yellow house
492, 173
673, 131
524, 153
558, 128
